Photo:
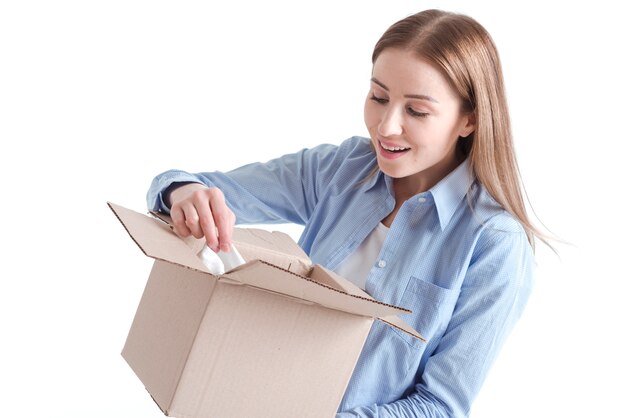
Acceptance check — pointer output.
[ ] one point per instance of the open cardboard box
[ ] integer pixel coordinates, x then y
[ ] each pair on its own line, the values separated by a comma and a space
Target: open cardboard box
275, 337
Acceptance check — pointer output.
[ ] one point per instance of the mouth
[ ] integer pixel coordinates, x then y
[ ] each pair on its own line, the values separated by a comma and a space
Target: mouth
392, 149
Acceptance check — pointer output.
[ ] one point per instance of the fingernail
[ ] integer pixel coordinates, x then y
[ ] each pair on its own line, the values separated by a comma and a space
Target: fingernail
225, 248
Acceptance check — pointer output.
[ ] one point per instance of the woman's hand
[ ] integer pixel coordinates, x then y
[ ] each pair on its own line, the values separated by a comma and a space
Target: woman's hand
202, 212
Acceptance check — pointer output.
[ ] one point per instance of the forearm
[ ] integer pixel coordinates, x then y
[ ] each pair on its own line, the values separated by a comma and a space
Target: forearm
272, 192
285, 189
244, 196
417, 405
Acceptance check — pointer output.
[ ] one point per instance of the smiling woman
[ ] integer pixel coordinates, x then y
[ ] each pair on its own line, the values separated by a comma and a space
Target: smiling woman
415, 135
426, 214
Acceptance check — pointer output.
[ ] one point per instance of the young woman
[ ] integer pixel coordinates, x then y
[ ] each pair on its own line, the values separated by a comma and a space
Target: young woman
427, 214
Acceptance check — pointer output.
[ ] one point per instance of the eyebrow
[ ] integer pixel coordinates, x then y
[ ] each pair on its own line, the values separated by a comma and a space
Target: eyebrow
408, 96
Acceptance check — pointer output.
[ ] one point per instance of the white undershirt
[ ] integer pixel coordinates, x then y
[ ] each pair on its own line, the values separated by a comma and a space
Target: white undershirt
356, 266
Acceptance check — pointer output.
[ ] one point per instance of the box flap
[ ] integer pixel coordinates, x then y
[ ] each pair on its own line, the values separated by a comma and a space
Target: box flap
270, 277
396, 322
329, 277
274, 241
322, 275
274, 247
156, 239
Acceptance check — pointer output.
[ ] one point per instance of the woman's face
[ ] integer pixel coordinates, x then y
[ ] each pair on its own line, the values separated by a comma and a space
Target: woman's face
414, 118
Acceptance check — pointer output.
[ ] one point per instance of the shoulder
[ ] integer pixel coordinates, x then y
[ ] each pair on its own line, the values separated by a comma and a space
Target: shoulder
358, 144
353, 155
496, 226
490, 214
354, 147
501, 257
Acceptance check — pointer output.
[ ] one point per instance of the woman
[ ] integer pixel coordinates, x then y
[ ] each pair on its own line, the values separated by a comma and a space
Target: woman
427, 214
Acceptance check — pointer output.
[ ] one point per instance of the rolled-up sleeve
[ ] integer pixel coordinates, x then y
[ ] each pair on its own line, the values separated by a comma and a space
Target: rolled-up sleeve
284, 189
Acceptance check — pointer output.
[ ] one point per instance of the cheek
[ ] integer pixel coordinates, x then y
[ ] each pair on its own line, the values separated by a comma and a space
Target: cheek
433, 132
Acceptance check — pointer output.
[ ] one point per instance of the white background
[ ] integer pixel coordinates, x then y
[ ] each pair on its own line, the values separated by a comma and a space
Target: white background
98, 97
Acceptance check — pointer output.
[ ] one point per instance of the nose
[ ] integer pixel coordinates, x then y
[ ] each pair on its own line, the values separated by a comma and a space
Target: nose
391, 122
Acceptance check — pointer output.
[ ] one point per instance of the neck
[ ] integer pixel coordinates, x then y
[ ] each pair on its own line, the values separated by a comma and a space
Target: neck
407, 187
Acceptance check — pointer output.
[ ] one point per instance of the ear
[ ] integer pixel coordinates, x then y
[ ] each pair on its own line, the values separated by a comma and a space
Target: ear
469, 125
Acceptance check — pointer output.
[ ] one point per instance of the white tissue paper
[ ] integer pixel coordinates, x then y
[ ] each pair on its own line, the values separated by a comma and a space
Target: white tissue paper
220, 262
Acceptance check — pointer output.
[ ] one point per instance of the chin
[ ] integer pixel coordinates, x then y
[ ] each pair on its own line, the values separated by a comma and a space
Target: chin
394, 173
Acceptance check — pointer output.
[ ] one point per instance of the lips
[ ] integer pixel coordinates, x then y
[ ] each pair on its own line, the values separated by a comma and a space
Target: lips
392, 148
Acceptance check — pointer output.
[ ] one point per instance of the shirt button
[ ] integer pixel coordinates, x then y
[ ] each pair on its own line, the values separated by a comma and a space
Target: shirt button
421, 199
382, 264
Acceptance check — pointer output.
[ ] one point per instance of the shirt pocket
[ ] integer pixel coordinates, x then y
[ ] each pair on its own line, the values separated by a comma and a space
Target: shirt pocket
431, 307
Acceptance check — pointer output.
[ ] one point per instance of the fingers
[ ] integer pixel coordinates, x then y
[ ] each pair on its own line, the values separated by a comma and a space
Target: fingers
224, 220
202, 212
178, 219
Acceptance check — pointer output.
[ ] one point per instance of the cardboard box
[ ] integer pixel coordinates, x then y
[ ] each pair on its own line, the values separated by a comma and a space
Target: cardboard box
275, 337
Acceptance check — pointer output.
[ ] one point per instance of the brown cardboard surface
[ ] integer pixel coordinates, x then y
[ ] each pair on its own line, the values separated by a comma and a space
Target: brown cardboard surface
257, 244
294, 360
263, 275
165, 327
329, 277
322, 275
275, 241
396, 322
288, 262
258, 238
155, 239
264, 339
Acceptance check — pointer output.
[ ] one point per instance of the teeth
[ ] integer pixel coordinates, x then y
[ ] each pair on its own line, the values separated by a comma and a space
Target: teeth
394, 148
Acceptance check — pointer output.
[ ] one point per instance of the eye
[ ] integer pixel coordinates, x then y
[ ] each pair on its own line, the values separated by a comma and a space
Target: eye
379, 100
415, 113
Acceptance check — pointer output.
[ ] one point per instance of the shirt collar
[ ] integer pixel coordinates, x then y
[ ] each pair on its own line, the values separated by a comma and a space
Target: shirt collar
449, 192
372, 180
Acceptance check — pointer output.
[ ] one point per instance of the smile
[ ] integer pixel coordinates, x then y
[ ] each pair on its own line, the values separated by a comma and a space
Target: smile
393, 149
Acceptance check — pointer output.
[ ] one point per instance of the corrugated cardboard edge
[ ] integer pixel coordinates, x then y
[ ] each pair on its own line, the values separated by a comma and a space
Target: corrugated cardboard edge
256, 244
162, 217
394, 321
167, 402
110, 205
164, 411
398, 324
159, 259
368, 299
351, 288
167, 220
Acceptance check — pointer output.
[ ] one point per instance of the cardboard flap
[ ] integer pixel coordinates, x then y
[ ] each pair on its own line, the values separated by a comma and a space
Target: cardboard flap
270, 277
274, 247
275, 241
156, 239
323, 275
396, 322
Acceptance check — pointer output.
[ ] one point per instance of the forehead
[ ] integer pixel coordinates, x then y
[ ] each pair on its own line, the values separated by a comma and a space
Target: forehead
404, 72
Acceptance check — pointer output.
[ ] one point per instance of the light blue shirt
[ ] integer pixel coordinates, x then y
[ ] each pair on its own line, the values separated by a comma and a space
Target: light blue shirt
453, 256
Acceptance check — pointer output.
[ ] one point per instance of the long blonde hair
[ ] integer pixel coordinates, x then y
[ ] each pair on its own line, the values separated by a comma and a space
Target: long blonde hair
465, 53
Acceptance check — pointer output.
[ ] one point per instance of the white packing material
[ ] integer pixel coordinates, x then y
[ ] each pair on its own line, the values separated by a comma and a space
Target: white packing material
221, 262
